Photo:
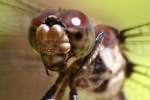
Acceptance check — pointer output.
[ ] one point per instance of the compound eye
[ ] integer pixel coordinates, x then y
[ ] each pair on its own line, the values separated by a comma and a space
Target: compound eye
75, 19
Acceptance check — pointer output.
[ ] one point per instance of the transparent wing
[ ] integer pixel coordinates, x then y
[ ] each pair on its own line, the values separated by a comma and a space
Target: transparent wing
136, 46
15, 20
22, 75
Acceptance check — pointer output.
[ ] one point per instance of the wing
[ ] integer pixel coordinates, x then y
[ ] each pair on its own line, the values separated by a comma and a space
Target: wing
136, 47
15, 20
22, 75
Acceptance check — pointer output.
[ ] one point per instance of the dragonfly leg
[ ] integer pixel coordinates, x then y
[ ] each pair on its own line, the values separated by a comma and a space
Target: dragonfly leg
49, 93
56, 92
73, 94
73, 91
47, 72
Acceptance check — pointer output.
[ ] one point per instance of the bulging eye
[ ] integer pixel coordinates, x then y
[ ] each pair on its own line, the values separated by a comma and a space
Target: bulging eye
79, 30
75, 19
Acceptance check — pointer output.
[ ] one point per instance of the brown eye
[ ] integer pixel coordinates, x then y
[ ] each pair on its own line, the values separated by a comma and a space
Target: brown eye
75, 19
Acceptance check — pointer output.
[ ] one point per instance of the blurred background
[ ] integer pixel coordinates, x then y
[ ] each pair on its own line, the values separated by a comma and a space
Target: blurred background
22, 75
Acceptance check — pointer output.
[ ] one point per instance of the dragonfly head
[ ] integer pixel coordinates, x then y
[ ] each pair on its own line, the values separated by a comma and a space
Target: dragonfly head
51, 27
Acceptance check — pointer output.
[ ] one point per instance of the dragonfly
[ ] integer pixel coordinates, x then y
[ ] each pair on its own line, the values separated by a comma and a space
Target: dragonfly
131, 45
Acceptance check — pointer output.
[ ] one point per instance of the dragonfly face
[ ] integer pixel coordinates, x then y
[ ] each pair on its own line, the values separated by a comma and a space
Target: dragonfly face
55, 33
53, 24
